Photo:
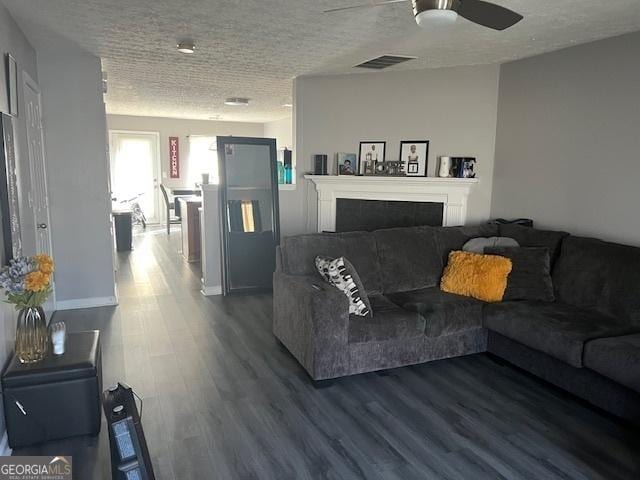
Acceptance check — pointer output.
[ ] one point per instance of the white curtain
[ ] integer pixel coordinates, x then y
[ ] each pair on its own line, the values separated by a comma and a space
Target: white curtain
202, 159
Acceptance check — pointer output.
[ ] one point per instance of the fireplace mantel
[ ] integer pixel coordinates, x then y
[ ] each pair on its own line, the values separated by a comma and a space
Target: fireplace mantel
451, 192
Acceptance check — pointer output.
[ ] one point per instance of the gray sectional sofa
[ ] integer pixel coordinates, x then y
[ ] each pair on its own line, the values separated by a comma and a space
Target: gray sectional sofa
587, 341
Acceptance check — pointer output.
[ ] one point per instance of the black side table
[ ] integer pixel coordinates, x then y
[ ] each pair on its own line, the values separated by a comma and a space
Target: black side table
123, 227
56, 398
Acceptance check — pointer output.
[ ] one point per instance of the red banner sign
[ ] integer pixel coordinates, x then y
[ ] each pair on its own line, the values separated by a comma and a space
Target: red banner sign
174, 157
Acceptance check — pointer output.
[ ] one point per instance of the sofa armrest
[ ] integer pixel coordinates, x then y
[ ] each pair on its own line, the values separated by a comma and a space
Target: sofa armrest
311, 318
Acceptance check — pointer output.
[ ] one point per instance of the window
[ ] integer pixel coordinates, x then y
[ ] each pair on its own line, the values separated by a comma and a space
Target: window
203, 158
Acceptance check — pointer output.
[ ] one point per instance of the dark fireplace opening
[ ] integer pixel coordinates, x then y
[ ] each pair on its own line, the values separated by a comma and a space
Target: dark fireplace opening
367, 215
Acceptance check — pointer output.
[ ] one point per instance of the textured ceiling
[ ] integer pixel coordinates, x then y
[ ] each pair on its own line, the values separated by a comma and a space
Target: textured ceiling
254, 48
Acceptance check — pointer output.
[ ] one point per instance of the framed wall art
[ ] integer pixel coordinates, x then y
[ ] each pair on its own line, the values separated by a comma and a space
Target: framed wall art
371, 153
9, 212
414, 155
12, 85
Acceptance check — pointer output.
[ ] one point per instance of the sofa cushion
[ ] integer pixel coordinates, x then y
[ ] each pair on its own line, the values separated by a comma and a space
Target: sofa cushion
483, 277
408, 258
454, 238
617, 358
390, 322
299, 253
557, 329
481, 244
530, 277
532, 237
444, 313
605, 276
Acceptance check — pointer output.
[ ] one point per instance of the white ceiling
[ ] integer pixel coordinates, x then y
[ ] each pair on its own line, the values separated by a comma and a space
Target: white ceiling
254, 48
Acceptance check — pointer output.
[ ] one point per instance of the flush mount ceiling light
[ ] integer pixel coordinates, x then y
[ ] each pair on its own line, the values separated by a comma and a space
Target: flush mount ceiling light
287, 105
237, 102
186, 47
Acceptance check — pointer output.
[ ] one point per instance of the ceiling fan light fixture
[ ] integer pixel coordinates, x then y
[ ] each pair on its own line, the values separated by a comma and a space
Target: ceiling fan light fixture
436, 13
436, 17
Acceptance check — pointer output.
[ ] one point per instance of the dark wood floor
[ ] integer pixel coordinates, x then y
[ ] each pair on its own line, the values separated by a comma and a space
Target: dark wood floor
222, 400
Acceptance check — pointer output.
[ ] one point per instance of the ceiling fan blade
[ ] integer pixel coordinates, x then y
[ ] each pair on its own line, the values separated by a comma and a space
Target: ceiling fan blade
488, 14
365, 5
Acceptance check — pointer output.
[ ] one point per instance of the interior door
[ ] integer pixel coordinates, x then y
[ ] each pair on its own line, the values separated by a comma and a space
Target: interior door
249, 203
135, 170
37, 167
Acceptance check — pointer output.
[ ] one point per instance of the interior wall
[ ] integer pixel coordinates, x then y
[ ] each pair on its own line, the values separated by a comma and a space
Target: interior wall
76, 149
568, 139
282, 131
290, 206
174, 127
13, 40
454, 108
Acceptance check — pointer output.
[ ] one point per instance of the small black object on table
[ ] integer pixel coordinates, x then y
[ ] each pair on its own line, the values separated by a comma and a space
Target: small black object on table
58, 397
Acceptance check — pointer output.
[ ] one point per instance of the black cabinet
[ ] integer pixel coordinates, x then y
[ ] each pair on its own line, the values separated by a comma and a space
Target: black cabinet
250, 218
58, 397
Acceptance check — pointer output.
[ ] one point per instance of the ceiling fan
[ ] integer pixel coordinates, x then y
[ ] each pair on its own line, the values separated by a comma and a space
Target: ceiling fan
429, 12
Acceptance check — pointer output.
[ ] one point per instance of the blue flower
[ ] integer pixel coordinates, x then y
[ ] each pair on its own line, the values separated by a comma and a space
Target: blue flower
12, 277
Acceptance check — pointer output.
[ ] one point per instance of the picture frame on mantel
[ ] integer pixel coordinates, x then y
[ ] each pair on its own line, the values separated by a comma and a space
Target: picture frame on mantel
414, 155
347, 163
12, 84
370, 154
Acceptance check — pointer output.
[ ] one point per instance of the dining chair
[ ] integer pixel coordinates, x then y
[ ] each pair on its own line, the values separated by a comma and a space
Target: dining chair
171, 219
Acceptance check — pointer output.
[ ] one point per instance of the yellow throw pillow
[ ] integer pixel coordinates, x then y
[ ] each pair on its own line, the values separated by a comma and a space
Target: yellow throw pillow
474, 275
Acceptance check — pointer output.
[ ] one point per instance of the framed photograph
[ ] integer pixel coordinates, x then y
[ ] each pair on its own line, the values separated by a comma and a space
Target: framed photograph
468, 168
456, 167
371, 153
463, 167
390, 168
347, 164
12, 85
414, 155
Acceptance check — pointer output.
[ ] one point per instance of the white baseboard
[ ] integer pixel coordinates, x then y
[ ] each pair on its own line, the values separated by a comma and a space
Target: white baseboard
86, 303
5, 449
215, 290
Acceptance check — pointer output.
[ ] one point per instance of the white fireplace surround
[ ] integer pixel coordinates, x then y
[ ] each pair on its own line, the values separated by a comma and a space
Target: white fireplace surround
451, 192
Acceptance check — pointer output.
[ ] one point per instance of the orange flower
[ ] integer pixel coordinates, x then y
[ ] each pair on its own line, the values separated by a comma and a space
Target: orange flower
37, 281
45, 263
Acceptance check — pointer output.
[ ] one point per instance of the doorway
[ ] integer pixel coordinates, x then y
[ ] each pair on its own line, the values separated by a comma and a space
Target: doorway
37, 168
135, 170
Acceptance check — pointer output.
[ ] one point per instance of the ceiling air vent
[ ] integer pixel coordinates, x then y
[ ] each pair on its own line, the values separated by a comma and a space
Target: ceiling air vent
384, 61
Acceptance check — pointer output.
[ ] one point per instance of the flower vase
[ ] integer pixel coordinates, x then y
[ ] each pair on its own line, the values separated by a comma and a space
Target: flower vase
32, 339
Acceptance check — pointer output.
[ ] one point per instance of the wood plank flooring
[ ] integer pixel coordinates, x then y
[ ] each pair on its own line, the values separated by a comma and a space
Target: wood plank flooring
223, 400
